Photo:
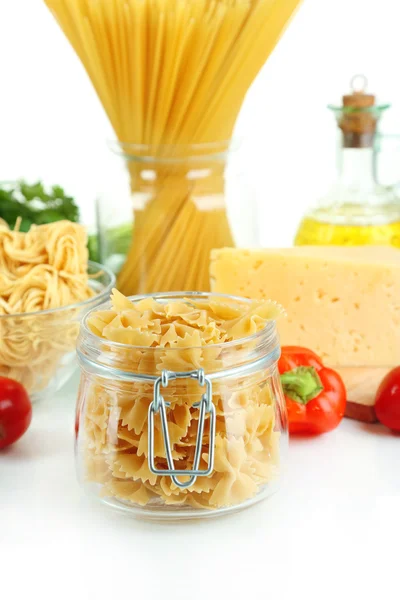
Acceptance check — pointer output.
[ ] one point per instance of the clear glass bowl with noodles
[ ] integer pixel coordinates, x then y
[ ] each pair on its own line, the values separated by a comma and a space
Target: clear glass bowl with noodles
38, 348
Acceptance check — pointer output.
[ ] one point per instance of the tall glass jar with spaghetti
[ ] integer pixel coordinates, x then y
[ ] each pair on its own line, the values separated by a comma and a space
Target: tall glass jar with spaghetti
180, 411
167, 208
172, 76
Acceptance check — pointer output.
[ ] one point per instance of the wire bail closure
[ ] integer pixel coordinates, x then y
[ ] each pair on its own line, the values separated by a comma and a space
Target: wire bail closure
159, 405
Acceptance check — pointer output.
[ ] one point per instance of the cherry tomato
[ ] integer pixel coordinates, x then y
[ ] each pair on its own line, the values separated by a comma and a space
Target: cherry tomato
15, 411
387, 405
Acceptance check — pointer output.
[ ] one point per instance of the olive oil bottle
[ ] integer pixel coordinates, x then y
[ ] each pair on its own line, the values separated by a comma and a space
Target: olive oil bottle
356, 210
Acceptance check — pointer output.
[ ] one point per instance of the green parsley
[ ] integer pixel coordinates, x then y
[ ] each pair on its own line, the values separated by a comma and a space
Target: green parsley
35, 205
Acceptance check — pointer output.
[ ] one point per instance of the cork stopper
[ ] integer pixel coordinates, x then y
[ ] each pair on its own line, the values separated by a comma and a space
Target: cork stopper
358, 119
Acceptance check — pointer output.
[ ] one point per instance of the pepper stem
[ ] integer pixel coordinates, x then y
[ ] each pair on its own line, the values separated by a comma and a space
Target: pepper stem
302, 384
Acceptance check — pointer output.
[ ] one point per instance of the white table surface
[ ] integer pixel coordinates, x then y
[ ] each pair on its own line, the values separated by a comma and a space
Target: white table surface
332, 531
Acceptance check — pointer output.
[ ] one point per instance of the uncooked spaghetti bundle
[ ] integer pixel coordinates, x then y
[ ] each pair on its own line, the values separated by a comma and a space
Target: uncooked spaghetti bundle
172, 76
42, 270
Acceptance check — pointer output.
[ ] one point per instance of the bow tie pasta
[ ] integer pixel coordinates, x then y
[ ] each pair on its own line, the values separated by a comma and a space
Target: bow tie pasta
148, 336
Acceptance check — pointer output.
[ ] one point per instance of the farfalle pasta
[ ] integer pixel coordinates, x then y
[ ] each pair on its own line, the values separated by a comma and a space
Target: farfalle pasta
125, 346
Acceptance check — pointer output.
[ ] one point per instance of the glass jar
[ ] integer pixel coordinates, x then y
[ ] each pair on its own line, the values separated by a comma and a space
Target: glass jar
166, 208
180, 432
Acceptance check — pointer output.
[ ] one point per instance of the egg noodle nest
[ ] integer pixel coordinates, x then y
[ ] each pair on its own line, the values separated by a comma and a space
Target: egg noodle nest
43, 269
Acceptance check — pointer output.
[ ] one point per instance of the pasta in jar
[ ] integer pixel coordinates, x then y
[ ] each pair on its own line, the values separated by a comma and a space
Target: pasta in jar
180, 410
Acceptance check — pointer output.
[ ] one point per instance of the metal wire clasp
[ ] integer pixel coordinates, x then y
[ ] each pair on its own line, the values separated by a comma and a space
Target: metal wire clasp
206, 406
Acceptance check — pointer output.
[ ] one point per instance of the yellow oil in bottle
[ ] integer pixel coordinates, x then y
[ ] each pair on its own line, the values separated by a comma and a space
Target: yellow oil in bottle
357, 210
313, 231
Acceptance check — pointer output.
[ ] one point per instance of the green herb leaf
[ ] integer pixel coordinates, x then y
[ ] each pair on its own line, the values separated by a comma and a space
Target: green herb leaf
35, 205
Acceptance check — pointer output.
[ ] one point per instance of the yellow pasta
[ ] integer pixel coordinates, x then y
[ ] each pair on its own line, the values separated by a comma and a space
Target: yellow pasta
114, 414
172, 76
41, 270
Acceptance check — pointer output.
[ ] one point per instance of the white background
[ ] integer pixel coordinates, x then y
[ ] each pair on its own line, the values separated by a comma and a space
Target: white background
334, 530
331, 533
52, 126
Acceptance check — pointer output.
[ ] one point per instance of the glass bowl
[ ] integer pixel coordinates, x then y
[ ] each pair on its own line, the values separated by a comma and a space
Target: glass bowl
38, 349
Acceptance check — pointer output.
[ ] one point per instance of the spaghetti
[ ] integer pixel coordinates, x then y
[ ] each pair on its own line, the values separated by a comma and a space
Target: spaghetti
172, 74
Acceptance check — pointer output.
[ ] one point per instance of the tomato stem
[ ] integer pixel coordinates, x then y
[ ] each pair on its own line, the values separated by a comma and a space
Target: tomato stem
302, 384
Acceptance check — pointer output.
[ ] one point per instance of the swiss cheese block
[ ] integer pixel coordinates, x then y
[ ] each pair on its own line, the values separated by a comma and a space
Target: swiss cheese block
342, 302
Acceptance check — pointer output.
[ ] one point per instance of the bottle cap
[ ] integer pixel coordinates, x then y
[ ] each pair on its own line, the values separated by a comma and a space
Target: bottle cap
359, 98
358, 119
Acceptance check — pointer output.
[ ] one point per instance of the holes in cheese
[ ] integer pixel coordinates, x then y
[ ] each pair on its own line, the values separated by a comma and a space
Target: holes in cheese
342, 300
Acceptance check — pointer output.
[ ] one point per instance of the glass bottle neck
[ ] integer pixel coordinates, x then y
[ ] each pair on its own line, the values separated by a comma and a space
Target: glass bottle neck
356, 168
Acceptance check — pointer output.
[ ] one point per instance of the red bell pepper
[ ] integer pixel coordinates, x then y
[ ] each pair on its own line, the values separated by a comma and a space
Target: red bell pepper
315, 395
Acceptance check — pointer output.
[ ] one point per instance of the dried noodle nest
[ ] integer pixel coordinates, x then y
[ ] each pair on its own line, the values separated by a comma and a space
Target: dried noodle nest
41, 270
